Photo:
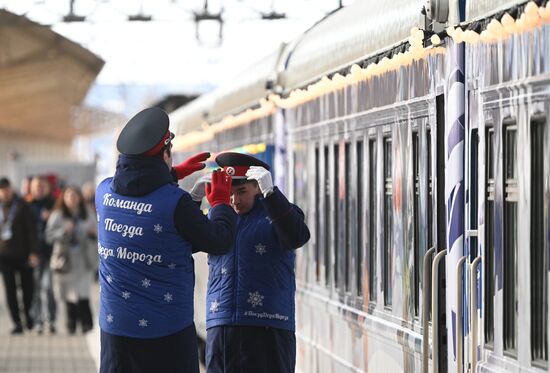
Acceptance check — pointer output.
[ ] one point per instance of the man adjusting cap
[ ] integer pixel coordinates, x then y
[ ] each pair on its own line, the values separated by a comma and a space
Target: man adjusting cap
147, 230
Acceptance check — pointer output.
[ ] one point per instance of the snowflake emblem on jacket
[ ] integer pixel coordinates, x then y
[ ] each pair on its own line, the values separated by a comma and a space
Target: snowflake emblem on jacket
255, 299
260, 249
145, 282
214, 306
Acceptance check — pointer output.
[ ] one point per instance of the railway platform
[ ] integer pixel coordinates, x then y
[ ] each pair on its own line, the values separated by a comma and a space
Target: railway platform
59, 353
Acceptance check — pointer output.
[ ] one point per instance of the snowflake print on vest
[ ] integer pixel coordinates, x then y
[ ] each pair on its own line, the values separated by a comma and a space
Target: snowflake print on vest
168, 297
158, 228
255, 299
172, 266
143, 323
260, 249
214, 306
125, 294
145, 282
110, 318
109, 279
223, 271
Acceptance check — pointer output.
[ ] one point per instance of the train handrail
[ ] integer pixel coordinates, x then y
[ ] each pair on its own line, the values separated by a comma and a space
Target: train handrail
435, 321
459, 340
428, 258
473, 311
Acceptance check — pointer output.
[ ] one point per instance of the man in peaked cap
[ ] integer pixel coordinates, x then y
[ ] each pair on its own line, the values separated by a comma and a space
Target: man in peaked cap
250, 298
147, 230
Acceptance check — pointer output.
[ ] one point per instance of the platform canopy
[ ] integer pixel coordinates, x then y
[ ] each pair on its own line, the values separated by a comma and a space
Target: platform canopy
44, 77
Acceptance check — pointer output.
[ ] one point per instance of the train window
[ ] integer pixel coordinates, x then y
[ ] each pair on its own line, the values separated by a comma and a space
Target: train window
360, 212
336, 221
430, 188
473, 196
326, 189
317, 215
429, 239
372, 219
539, 284
388, 222
510, 237
346, 219
489, 237
416, 206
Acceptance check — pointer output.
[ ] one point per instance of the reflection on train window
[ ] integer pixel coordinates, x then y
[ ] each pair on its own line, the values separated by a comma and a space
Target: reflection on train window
539, 282
326, 188
416, 207
388, 223
317, 215
372, 220
360, 220
336, 222
510, 266
489, 238
346, 226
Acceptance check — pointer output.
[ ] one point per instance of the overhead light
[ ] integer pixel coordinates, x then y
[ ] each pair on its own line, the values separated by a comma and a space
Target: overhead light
71, 16
273, 15
140, 17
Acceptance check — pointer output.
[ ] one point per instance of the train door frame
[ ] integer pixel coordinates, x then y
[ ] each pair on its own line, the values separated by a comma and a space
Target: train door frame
497, 105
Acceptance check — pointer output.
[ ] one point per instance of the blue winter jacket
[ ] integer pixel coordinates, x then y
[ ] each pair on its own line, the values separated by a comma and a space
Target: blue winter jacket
147, 231
254, 284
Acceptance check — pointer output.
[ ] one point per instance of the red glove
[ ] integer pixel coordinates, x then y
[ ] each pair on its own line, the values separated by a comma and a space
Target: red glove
191, 165
219, 191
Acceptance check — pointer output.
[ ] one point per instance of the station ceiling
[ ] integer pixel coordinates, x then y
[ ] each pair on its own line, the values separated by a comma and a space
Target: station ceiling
44, 77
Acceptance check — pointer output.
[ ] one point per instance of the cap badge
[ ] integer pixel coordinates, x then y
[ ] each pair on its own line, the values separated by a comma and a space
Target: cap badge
230, 171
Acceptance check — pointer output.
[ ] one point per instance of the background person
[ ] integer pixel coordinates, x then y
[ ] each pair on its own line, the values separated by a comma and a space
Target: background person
44, 305
73, 232
18, 252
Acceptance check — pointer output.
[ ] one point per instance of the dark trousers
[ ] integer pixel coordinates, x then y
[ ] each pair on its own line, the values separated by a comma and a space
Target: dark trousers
79, 313
10, 268
175, 353
250, 349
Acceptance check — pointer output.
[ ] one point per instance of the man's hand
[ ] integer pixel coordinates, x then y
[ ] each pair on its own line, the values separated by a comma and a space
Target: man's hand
219, 191
190, 165
198, 191
34, 260
263, 177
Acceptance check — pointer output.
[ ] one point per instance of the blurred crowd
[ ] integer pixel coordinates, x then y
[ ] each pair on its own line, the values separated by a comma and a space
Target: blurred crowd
48, 253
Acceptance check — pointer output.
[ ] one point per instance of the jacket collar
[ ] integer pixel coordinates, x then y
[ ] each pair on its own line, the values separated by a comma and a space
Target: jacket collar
139, 175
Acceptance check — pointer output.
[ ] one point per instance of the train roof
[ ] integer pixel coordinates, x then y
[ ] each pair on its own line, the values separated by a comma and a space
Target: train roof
244, 91
191, 116
482, 8
344, 37
247, 88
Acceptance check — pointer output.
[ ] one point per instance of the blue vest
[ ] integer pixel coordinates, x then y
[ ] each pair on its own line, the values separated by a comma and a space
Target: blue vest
254, 284
146, 270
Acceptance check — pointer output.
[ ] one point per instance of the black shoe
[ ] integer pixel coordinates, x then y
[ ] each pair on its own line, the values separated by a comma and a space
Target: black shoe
17, 330
40, 329
52, 329
30, 323
86, 328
